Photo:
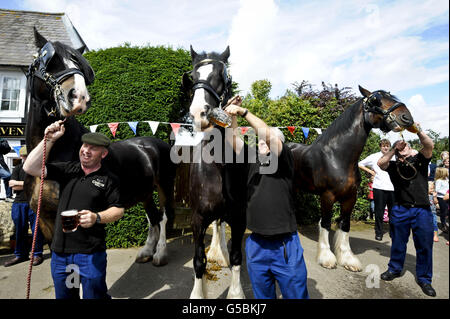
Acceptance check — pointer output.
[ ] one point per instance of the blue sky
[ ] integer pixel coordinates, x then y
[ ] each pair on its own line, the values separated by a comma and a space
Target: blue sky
399, 46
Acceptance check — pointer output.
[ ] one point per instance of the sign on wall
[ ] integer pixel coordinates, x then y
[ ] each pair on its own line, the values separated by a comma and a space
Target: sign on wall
12, 130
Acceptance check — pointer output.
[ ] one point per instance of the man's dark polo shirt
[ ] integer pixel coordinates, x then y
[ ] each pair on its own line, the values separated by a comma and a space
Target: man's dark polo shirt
95, 192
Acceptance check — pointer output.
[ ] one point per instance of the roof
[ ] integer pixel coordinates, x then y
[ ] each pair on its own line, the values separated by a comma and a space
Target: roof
17, 36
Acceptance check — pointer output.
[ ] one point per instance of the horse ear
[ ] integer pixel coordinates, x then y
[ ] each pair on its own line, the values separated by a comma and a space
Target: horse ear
39, 39
193, 53
226, 54
363, 91
81, 49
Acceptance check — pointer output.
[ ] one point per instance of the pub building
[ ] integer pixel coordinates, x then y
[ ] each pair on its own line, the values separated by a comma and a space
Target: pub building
17, 48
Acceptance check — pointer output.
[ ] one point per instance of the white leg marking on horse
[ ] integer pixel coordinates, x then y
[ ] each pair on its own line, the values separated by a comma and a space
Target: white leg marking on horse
145, 254
325, 257
218, 251
344, 254
199, 290
235, 291
160, 256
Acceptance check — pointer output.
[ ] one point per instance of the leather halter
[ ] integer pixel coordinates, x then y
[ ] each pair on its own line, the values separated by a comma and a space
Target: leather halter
203, 84
388, 116
38, 68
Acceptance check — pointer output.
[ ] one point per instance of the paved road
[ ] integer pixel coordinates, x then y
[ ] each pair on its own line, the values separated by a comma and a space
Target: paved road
127, 279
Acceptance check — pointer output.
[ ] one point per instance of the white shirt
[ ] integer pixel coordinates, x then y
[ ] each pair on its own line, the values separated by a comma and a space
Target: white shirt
441, 187
381, 179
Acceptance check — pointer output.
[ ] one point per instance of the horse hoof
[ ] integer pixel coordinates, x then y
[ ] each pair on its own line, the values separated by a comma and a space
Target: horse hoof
159, 261
352, 268
143, 259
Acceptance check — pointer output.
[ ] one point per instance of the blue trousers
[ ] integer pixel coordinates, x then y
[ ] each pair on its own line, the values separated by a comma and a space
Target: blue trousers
69, 270
6, 175
278, 260
420, 221
22, 215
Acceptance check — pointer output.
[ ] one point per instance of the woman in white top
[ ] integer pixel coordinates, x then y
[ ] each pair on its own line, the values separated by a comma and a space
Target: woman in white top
383, 190
441, 188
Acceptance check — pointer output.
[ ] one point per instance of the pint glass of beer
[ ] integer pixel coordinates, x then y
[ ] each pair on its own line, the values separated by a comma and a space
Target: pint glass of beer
70, 220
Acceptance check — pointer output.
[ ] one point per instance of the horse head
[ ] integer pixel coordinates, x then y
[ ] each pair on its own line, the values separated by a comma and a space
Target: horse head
385, 111
58, 77
209, 85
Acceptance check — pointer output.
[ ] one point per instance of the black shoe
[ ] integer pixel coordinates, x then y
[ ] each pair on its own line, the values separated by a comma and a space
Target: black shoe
427, 289
379, 238
14, 261
37, 260
388, 276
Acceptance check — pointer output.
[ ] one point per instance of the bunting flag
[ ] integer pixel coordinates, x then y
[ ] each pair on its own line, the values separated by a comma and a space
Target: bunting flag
175, 127
318, 130
153, 126
291, 129
17, 149
113, 127
133, 126
244, 129
93, 128
305, 131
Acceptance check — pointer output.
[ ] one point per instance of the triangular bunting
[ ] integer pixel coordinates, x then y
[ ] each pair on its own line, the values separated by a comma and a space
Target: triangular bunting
244, 129
17, 149
305, 131
291, 129
93, 128
153, 126
318, 130
175, 127
133, 126
113, 127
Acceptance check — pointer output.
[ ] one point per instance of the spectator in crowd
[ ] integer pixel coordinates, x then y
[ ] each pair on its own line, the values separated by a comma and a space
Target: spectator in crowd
383, 190
433, 202
441, 186
23, 215
5, 174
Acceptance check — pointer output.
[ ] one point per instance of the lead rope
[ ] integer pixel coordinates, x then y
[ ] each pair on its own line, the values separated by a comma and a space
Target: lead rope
36, 226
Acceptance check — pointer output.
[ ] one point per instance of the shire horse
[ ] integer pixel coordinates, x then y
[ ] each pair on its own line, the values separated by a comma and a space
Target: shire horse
56, 89
215, 188
329, 167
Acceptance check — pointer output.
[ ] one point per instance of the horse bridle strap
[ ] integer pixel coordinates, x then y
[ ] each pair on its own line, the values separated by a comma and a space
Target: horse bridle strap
203, 84
388, 116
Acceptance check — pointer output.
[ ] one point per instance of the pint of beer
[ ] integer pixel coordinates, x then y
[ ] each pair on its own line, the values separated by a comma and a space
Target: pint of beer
413, 128
220, 117
70, 220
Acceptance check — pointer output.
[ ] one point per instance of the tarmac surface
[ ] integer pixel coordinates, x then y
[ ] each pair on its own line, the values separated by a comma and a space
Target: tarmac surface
129, 280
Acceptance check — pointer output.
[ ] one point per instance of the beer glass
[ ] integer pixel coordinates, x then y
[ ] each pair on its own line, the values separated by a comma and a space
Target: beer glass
70, 220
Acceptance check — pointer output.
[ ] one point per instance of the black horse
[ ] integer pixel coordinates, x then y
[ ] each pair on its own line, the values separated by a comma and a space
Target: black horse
329, 167
215, 186
56, 89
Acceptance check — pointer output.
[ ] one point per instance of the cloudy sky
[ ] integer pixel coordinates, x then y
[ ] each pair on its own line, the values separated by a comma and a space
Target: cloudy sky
398, 46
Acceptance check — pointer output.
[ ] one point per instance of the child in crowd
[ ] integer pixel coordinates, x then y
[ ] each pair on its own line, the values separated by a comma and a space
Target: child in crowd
441, 187
370, 197
433, 202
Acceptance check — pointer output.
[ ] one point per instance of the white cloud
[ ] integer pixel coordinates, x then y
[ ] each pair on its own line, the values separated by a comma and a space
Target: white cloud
374, 44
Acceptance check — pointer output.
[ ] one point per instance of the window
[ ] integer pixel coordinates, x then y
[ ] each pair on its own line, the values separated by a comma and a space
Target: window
9, 93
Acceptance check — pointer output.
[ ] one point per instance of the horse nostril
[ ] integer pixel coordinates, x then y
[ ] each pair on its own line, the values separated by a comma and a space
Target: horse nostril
71, 94
203, 114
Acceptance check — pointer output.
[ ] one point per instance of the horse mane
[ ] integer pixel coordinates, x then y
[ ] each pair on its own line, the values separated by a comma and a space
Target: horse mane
341, 124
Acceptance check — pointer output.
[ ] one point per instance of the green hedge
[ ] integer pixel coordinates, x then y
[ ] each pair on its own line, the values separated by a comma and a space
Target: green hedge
135, 84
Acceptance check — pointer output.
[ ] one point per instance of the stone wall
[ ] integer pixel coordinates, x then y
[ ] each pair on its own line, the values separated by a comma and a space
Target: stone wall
6, 223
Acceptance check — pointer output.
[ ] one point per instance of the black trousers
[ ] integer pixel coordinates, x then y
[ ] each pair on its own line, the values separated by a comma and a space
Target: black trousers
443, 209
381, 198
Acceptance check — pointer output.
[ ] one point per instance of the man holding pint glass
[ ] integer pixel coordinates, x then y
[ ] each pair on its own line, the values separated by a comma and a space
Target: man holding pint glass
89, 199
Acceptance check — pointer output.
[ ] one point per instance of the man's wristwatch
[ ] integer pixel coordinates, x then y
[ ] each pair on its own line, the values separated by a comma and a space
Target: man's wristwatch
245, 113
98, 219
